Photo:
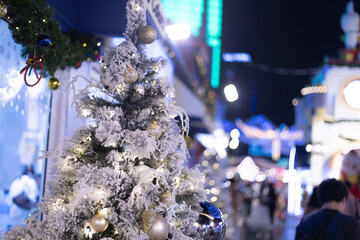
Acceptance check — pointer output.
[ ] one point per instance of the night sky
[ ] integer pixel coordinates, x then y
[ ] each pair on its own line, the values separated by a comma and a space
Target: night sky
286, 34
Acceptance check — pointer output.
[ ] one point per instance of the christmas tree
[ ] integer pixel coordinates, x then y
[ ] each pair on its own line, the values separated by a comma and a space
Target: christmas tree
121, 175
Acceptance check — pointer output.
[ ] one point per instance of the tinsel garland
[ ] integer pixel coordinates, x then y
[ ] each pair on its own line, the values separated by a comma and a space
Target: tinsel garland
30, 19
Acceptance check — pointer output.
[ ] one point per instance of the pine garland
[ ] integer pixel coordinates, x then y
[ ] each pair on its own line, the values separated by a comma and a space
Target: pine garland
342, 121
30, 19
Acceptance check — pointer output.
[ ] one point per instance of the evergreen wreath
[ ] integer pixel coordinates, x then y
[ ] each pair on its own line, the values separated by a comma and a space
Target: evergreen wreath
30, 19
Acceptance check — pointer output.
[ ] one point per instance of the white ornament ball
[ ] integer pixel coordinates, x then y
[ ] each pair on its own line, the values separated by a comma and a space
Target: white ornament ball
99, 223
147, 34
154, 130
130, 75
159, 229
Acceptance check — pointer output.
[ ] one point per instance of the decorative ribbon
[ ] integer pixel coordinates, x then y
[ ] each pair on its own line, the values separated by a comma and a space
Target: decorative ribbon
31, 63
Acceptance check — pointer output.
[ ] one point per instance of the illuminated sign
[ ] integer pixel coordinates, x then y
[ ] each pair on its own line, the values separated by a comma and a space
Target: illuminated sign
191, 13
236, 57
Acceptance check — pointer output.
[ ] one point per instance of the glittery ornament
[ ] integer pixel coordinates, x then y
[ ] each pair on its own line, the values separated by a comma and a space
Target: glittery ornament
43, 40
147, 34
167, 198
155, 225
53, 83
130, 75
211, 223
3, 9
99, 223
148, 218
154, 130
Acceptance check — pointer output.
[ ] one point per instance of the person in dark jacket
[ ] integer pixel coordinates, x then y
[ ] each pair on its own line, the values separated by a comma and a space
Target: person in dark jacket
332, 195
271, 200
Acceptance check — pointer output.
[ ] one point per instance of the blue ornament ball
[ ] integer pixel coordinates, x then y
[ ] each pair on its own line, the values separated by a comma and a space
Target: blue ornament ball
43, 40
211, 223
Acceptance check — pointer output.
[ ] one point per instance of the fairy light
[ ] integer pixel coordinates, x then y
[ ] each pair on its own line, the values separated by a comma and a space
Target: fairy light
79, 150
213, 199
84, 45
216, 166
98, 44
313, 89
136, 7
211, 182
105, 212
88, 231
85, 112
205, 163
58, 205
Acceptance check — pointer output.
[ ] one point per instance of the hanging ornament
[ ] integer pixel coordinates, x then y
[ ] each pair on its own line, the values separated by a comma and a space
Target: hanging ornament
53, 83
211, 223
43, 40
147, 34
99, 223
3, 9
31, 63
167, 198
130, 75
155, 225
154, 130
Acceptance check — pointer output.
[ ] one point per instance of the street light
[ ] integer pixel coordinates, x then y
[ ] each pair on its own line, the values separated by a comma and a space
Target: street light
231, 93
178, 31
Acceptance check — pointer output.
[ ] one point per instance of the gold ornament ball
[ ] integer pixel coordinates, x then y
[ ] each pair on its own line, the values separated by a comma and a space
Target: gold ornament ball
130, 75
148, 218
3, 9
160, 228
30, 61
147, 34
167, 198
53, 83
99, 223
154, 130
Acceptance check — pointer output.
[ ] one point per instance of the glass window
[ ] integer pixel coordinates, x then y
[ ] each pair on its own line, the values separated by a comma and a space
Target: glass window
24, 117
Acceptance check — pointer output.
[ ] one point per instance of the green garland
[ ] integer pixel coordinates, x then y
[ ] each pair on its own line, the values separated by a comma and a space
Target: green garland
342, 121
348, 139
28, 19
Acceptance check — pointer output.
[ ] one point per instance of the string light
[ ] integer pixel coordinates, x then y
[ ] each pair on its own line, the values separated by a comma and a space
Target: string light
313, 89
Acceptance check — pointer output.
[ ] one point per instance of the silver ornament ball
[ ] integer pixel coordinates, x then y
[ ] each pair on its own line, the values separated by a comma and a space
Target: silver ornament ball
211, 223
99, 223
130, 75
159, 229
147, 34
154, 130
